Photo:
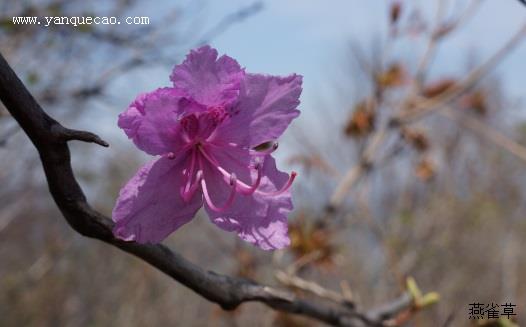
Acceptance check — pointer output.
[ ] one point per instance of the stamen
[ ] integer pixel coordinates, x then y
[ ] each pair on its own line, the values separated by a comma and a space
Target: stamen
284, 188
248, 190
230, 200
188, 193
190, 172
180, 152
240, 186
208, 157
185, 190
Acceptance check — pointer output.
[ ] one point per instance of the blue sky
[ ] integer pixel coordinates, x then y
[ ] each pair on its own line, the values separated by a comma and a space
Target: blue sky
311, 37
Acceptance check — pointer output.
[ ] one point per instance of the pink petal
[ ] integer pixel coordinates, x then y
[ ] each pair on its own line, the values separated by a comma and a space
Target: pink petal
149, 207
257, 219
152, 120
209, 80
267, 105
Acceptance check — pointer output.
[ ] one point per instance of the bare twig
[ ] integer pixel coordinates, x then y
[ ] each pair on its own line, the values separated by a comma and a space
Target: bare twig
67, 134
440, 30
235, 17
430, 48
356, 172
427, 106
295, 281
420, 109
487, 132
397, 306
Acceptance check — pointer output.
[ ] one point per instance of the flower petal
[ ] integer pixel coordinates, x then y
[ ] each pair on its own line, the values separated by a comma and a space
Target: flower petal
258, 219
149, 207
209, 80
267, 105
152, 120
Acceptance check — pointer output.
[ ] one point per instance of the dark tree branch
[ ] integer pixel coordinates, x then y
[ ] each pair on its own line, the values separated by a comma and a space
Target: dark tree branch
67, 134
50, 139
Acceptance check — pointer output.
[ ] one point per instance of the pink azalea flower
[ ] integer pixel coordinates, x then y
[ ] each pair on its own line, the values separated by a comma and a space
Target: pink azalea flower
205, 129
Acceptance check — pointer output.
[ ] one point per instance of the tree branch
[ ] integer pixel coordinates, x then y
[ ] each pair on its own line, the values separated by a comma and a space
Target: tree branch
421, 108
50, 139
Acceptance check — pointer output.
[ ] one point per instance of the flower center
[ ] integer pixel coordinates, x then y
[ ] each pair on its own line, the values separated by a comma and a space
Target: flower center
198, 130
199, 156
200, 126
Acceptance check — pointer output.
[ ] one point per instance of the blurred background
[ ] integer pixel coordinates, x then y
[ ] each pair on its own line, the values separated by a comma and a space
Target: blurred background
409, 151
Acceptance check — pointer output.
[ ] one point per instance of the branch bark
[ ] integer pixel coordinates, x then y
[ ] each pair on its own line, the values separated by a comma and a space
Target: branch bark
50, 140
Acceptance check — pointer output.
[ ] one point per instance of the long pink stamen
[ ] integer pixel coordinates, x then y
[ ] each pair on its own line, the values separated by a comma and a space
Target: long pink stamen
208, 157
189, 192
284, 188
248, 190
240, 186
189, 189
230, 198
190, 171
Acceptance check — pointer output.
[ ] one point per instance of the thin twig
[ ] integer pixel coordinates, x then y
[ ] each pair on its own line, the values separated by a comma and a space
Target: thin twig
235, 17
295, 281
427, 106
487, 132
421, 108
